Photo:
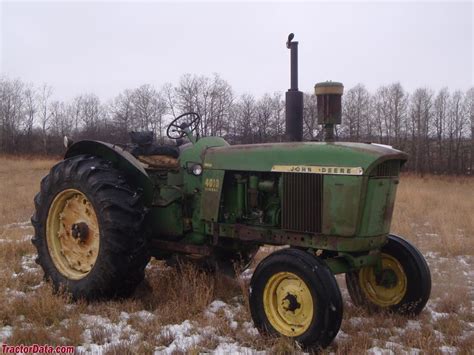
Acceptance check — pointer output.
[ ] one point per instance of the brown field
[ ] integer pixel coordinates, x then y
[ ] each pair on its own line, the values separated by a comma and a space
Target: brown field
191, 312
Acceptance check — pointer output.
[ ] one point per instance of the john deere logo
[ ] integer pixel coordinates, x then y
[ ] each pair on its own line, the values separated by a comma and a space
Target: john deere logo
311, 169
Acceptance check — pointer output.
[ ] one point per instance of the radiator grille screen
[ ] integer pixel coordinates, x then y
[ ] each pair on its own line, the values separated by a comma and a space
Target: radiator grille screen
388, 168
302, 202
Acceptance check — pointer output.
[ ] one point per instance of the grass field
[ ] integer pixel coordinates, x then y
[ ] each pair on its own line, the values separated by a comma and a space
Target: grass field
191, 312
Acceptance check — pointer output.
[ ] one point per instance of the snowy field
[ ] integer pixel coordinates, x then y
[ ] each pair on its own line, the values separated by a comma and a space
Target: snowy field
220, 322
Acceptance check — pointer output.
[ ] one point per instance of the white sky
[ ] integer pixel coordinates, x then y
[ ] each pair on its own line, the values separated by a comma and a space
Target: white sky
105, 47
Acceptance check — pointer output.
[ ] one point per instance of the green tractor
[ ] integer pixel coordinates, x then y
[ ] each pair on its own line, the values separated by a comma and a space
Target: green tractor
104, 210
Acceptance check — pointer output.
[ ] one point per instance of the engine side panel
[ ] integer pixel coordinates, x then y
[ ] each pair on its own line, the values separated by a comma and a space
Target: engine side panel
341, 204
212, 183
379, 205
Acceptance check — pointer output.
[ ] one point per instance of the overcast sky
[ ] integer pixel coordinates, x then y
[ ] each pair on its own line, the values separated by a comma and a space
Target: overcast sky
105, 47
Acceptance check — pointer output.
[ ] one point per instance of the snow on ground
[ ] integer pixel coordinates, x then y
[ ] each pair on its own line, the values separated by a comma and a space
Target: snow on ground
21, 225
189, 334
112, 333
183, 336
6, 332
26, 238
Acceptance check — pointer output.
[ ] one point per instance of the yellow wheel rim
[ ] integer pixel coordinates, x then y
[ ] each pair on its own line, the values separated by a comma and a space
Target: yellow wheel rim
72, 234
389, 287
288, 304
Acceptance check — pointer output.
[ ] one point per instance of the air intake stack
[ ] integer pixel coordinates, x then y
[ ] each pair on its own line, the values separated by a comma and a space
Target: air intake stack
328, 98
294, 97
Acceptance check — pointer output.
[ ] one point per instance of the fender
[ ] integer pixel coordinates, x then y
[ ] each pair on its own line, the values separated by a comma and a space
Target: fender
121, 160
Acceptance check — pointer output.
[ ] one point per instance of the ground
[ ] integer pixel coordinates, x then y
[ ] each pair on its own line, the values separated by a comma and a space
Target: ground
187, 311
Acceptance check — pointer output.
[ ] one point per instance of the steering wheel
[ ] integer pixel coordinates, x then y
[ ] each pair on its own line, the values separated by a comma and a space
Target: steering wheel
176, 128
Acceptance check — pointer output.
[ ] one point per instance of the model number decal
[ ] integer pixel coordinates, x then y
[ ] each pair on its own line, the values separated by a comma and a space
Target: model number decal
211, 184
312, 169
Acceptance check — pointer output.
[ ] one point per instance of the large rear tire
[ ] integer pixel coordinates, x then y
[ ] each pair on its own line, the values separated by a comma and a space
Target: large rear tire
88, 230
403, 286
294, 294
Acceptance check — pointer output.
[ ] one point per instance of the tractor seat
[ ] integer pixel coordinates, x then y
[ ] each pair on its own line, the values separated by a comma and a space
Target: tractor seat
151, 154
158, 162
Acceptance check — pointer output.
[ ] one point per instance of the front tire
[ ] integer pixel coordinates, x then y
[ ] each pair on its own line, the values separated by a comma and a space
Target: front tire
403, 286
294, 294
88, 229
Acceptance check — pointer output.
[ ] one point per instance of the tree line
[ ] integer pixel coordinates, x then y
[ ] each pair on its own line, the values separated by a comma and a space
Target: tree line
435, 127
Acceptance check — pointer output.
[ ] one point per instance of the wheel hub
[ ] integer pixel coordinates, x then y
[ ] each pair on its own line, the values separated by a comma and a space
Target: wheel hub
72, 234
386, 288
386, 278
80, 231
288, 304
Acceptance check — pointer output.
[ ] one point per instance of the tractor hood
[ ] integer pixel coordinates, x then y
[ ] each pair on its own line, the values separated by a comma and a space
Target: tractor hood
323, 157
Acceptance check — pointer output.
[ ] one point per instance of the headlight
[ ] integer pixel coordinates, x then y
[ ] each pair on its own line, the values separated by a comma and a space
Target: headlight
196, 169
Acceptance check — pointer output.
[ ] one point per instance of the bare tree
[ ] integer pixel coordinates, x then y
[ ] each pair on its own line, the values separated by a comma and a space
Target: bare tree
149, 108
469, 105
310, 117
44, 115
439, 122
168, 92
278, 116
457, 125
379, 113
356, 111
437, 131
61, 122
398, 103
30, 111
122, 112
12, 106
90, 110
264, 117
245, 113
420, 117
75, 110
211, 98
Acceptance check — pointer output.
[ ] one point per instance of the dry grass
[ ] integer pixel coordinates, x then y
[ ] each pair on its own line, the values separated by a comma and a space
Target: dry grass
434, 212
437, 213
19, 182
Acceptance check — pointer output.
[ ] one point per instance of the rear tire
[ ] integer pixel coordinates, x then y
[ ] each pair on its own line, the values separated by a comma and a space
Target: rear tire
410, 290
121, 253
294, 294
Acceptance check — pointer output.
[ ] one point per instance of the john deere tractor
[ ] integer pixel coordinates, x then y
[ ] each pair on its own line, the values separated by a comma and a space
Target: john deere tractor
105, 209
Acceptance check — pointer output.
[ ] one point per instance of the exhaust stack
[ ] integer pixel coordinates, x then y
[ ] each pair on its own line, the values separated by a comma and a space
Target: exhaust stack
294, 97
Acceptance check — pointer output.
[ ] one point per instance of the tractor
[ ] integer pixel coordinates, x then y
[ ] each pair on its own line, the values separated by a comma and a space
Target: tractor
106, 209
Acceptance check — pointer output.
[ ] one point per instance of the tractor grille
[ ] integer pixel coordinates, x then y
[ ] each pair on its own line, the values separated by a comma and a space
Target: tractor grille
302, 202
388, 168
